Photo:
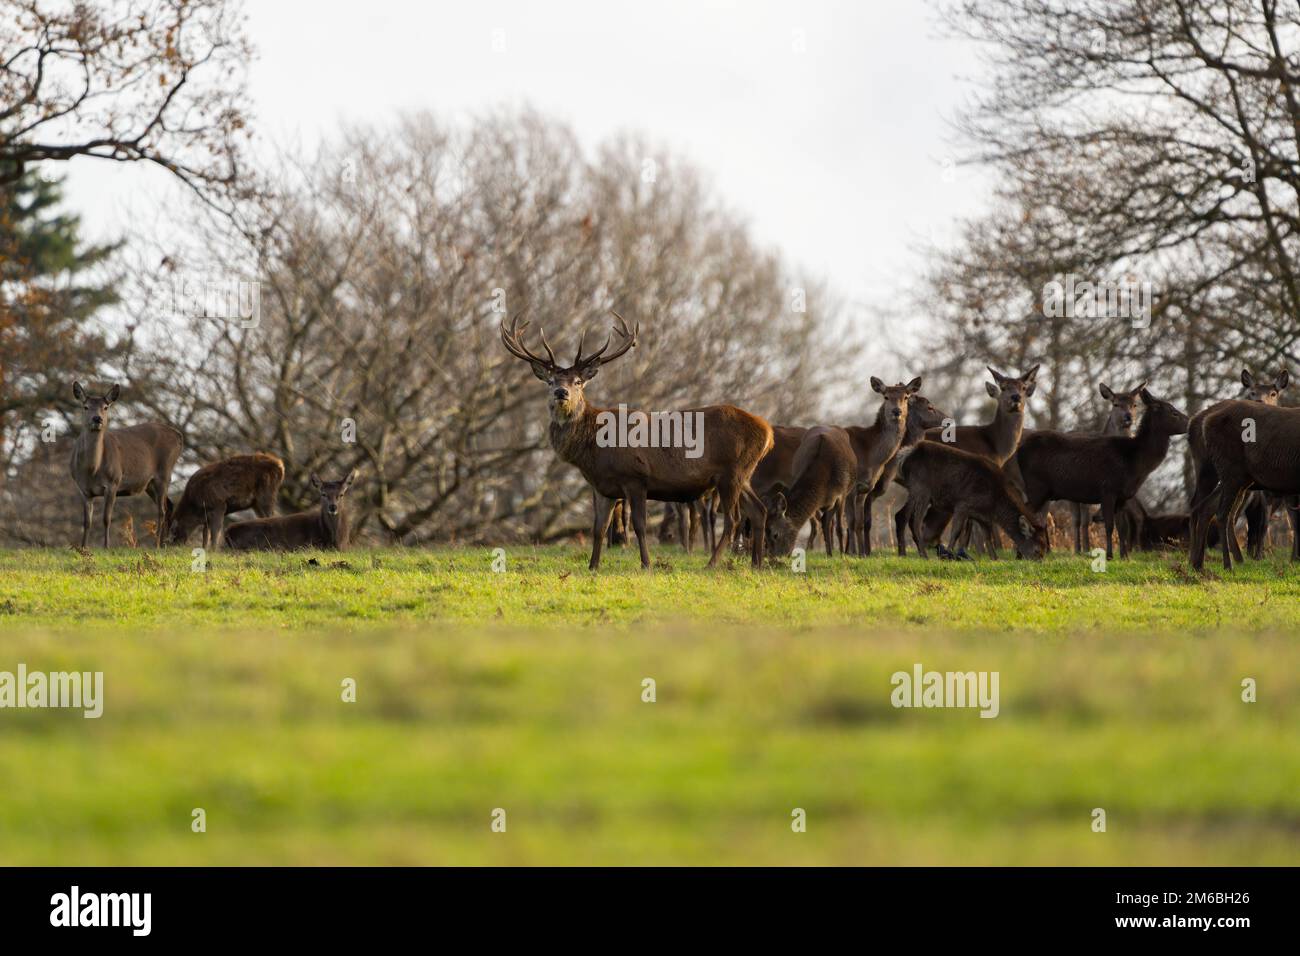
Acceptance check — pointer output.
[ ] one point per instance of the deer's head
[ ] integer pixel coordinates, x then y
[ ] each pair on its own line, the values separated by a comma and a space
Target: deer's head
1162, 416
566, 384
1123, 406
331, 496
96, 406
1263, 390
897, 397
922, 414
781, 531
1012, 393
1032, 541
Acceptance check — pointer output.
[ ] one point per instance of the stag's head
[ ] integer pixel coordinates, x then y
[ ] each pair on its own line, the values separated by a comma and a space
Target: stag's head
1123, 406
1012, 393
1261, 389
566, 384
96, 406
897, 398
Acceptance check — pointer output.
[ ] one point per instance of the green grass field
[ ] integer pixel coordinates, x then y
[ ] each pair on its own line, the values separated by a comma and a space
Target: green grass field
522, 690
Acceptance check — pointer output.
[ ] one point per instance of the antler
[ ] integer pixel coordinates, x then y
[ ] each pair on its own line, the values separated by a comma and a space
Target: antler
629, 341
512, 339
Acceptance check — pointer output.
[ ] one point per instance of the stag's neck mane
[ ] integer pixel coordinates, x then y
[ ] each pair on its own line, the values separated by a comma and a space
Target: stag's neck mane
574, 438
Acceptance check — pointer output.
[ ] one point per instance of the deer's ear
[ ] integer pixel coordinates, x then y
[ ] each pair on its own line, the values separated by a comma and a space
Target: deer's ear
992, 389
315, 481
779, 504
1147, 397
588, 372
1025, 527
347, 482
1106, 393
1141, 385
1030, 375
541, 371
1283, 377
78, 392
113, 393
1246, 378
914, 385
877, 385
997, 376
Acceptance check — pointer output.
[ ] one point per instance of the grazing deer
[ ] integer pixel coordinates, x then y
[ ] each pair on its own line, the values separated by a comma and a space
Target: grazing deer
995, 440
120, 462
1120, 421
874, 445
326, 527
825, 469
966, 486
222, 488
921, 415
1098, 469
736, 441
1247, 445
1265, 392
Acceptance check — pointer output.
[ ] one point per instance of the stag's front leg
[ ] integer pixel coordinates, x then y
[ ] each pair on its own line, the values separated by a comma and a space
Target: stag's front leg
1108, 522
87, 515
604, 511
110, 498
637, 500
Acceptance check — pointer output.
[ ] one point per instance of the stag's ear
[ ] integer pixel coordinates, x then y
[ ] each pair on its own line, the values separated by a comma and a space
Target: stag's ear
1025, 527
541, 371
78, 392
588, 372
315, 481
113, 393
992, 389
877, 385
1246, 378
1106, 393
347, 482
1283, 377
914, 385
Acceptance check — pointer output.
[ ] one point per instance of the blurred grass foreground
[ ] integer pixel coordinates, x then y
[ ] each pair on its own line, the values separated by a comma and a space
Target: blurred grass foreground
417, 708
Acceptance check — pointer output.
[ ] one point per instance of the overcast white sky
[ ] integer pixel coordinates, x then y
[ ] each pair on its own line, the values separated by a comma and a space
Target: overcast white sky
824, 123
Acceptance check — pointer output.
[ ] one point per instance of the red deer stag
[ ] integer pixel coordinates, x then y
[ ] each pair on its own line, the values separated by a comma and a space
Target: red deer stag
222, 488
121, 462
1098, 469
732, 443
326, 527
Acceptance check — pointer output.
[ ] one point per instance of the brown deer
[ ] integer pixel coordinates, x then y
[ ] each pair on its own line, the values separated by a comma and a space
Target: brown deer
222, 488
734, 442
1265, 392
921, 415
996, 440
966, 486
1098, 469
825, 469
874, 445
1247, 445
120, 462
1120, 421
326, 527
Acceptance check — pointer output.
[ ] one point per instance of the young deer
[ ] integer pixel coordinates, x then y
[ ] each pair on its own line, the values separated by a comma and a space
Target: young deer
222, 488
825, 469
1120, 421
921, 415
873, 447
121, 462
1098, 469
326, 527
1246, 445
996, 441
966, 486
735, 442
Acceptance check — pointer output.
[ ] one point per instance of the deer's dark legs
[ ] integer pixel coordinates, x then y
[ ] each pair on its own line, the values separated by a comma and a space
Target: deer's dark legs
755, 510
1293, 519
902, 518
1229, 501
87, 515
604, 511
728, 501
1081, 531
917, 521
1108, 522
958, 528
637, 500
828, 522
110, 498
212, 531
864, 529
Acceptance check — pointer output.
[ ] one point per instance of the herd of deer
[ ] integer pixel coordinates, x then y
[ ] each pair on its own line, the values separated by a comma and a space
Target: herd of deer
769, 482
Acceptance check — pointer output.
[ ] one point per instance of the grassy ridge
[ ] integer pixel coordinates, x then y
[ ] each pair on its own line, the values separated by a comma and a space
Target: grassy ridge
522, 690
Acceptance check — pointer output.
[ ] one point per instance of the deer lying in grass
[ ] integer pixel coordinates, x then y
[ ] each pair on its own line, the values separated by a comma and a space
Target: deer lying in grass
966, 486
1098, 469
326, 527
874, 446
921, 415
1265, 392
825, 468
733, 443
222, 488
121, 462
1247, 445
996, 440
